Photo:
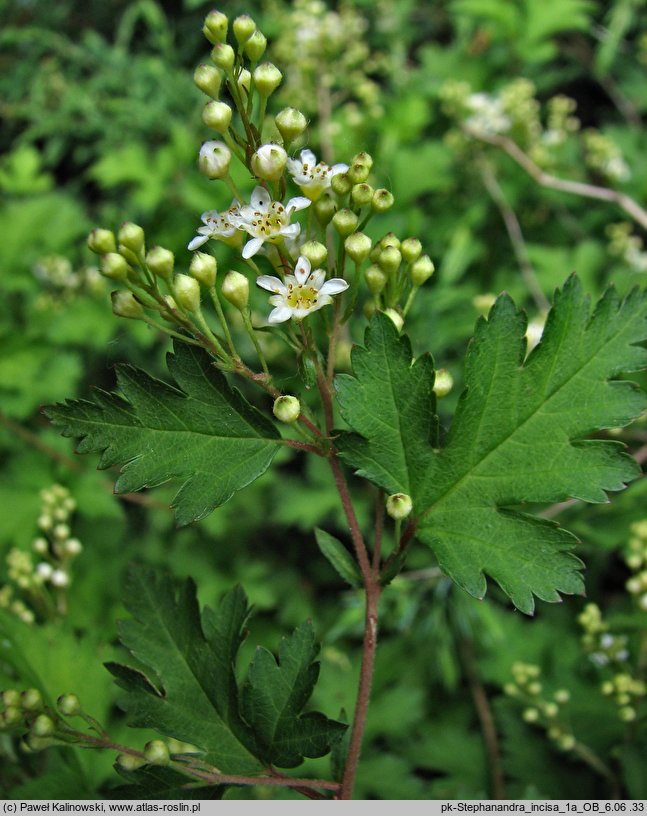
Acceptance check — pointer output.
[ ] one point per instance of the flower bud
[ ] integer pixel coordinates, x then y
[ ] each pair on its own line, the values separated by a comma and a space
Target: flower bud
395, 317
315, 252
217, 115
132, 237
443, 383
214, 160
129, 762
421, 270
340, 184
363, 158
31, 700
290, 123
357, 246
375, 279
382, 200
215, 27
235, 289
390, 240
160, 261
73, 547
267, 78
324, 208
223, 56
411, 249
60, 578
69, 705
102, 241
530, 715
268, 162
113, 266
43, 726
156, 752
287, 408
12, 716
243, 28
187, 292
399, 505
344, 221
10, 697
255, 46
209, 79
361, 194
390, 260
204, 268
358, 172
244, 80
125, 305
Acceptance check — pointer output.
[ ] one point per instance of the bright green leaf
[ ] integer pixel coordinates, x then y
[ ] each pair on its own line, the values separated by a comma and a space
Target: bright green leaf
207, 435
339, 557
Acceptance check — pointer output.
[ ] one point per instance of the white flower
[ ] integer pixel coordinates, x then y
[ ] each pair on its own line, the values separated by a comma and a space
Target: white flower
301, 293
488, 117
267, 220
216, 225
312, 177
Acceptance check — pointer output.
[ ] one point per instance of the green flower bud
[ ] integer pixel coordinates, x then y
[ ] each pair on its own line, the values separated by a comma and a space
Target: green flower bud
324, 209
267, 78
530, 715
382, 200
69, 705
114, 266
11, 697
214, 160
235, 289
357, 246
102, 241
562, 696
390, 260
43, 726
187, 292
31, 700
160, 261
567, 742
421, 270
223, 56
209, 79
369, 309
358, 173
129, 762
204, 268
290, 123
551, 710
399, 506
411, 249
443, 383
375, 279
12, 716
156, 752
395, 317
340, 184
255, 46
244, 80
344, 221
390, 240
363, 158
315, 252
124, 304
287, 409
268, 162
217, 115
243, 27
131, 236
215, 27
361, 194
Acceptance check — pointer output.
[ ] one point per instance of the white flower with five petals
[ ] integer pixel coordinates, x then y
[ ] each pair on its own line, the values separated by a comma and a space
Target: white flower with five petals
217, 225
300, 294
267, 220
311, 176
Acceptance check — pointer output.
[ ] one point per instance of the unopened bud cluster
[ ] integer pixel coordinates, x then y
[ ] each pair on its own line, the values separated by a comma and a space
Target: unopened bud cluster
38, 580
625, 244
26, 715
636, 560
603, 647
539, 708
627, 693
61, 283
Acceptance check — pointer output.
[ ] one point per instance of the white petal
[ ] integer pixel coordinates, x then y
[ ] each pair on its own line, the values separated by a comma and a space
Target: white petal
276, 300
280, 314
297, 203
260, 198
308, 157
338, 168
294, 167
197, 242
317, 279
272, 284
210, 215
291, 231
252, 247
334, 286
302, 269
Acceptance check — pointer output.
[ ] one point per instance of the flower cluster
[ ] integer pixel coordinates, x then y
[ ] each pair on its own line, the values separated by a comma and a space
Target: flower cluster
623, 243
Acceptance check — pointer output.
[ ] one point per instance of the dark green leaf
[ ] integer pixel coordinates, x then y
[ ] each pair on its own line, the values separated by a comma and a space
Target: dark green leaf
206, 435
154, 782
339, 557
274, 696
518, 436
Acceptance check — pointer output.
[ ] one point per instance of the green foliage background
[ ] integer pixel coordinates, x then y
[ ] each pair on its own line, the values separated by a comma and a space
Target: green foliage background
101, 122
